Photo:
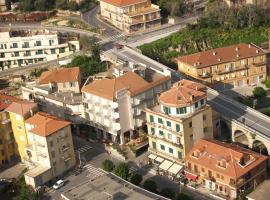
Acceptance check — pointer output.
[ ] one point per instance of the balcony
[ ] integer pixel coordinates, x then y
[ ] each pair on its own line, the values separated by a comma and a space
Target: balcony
231, 70
259, 64
205, 75
65, 147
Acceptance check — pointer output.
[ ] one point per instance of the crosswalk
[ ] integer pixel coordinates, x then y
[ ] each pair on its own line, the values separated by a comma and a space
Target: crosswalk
83, 149
108, 37
93, 172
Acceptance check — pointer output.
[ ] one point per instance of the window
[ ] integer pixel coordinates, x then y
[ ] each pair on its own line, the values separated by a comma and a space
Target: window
177, 127
167, 110
169, 136
52, 51
16, 53
202, 102
71, 84
30, 61
15, 45
162, 147
181, 110
190, 124
26, 44
204, 117
196, 168
196, 105
62, 50
39, 52
189, 166
40, 59
160, 121
38, 43
154, 145
222, 177
178, 140
202, 169
170, 150
209, 173
218, 176
152, 131
169, 124
20, 62
27, 53
151, 118
180, 155
161, 133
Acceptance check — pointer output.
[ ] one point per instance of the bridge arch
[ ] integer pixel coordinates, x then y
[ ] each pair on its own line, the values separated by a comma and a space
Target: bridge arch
240, 137
260, 147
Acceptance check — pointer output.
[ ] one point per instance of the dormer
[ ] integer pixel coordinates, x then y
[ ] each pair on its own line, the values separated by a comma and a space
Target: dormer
222, 163
196, 153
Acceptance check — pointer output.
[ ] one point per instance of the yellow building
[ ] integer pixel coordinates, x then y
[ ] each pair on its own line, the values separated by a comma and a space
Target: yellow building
6, 136
18, 113
130, 15
232, 66
49, 150
181, 118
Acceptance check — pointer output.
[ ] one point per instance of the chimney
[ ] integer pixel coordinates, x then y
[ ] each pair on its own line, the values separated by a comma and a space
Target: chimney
219, 59
64, 98
50, 85
191, 97
31, 112
236, 49
214, 53
249, 45
257, 51
237, 55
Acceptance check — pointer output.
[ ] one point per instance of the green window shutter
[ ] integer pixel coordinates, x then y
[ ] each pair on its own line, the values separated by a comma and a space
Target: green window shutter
178, 128
160, 121
180, 155
161, 133
170, 150
169, 124
151, 118
162, 147
154, 145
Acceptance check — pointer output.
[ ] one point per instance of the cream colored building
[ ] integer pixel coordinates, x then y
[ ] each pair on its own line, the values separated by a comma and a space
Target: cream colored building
3, 5
181, 118
239, 3
115, 106
49, 151
58, 92
22, 48
130, 15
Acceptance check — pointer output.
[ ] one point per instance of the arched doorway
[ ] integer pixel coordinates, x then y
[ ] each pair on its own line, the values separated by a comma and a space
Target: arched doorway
259, 147
240, 137
225, 132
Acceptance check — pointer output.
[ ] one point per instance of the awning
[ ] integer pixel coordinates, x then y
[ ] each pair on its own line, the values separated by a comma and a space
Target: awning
175, 168
165, 165
191, 176
152, 156
159, 159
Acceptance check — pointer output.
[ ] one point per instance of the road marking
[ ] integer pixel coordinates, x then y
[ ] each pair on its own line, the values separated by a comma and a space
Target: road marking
93, 171
83, 149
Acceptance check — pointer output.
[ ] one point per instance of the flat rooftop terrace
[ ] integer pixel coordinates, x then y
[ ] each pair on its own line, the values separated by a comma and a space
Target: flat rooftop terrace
109, 186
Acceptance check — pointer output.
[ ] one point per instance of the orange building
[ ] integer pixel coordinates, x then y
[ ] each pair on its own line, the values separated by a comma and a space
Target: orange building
224, 168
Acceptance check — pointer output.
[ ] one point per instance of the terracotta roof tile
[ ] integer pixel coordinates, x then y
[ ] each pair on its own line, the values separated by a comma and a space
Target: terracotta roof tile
212, 151
46, 124
60, 75
123, 3
6, 100
107, 88
21, 107
221, 55
183, 93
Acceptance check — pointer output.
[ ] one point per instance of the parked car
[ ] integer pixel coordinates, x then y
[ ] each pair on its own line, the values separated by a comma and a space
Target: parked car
58, 184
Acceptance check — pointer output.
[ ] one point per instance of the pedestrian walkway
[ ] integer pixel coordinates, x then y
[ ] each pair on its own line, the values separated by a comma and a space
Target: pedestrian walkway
108, 37
83, 149
93, 172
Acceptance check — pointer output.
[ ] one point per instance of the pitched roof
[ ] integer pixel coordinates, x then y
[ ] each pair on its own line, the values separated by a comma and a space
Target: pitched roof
123, 3
221, 55
183, 93
61, 75
108, 88
6, 100
46, 124
21, 107
212, 151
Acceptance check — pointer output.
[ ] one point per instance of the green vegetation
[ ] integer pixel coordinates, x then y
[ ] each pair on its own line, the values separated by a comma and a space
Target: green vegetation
37, 72
107, 165
259, 92
219, 26
171, 7
183, 196
136, 179
150, 185
167, 192
122, 170
18, 190
267, 82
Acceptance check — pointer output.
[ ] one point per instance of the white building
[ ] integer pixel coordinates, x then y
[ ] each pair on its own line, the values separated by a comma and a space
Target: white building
22, 48
115, 106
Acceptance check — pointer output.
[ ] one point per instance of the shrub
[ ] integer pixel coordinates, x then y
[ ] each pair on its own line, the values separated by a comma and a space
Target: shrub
107, 165
183, 196
122, 170
168, 192
150, 185
136, 179
259, 92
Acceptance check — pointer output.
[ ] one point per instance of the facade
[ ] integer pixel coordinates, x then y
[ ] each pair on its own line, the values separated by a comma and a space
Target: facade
2, 5
115, 106
22, 48
239, 3
18, 113
180, 119
6, 136
58, 92
49, 150
132, 15
225, 169
226, 67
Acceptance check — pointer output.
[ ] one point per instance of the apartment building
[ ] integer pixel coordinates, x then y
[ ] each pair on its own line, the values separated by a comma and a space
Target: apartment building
131, 15
225, 169
22, 48
239, 3
181, 117
2, 5
6, 136
49, 150
226, 67
115, 105
57, 92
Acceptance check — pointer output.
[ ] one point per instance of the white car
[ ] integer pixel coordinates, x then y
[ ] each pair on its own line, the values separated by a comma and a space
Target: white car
58, 184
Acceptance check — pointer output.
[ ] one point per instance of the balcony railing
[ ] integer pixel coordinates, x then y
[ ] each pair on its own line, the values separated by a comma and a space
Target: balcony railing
258, 64
231, 70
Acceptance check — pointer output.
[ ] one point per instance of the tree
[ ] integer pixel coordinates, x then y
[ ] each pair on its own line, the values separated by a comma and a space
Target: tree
122, 170
61, 4
27, 5
37, 72
168, 192
107, 165
259, 92
73, 6
136, 179
183, 196
150, 185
